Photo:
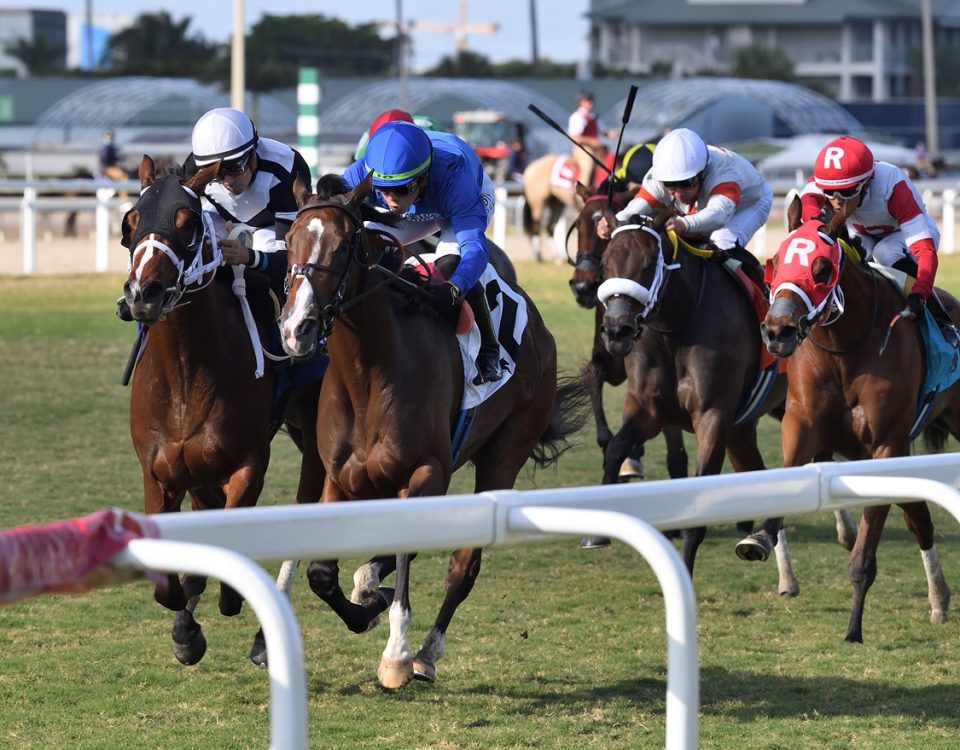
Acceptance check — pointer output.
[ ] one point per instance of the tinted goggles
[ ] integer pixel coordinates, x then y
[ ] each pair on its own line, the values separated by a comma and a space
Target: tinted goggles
846, 193
236, 167
681, 184
407, 188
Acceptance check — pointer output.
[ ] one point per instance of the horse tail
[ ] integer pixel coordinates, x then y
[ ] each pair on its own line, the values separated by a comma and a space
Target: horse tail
935, 436
571, 410
528, 224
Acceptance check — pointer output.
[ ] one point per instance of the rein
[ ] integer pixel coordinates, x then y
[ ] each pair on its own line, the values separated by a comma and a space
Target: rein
860, 339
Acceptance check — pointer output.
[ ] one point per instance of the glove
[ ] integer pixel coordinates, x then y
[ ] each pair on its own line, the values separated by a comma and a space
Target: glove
446, 300
915, 306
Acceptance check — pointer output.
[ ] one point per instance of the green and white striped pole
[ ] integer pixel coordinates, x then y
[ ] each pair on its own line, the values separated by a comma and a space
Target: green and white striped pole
308, 120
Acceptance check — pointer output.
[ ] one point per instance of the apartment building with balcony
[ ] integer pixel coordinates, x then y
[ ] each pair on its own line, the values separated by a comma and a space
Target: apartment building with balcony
852, 50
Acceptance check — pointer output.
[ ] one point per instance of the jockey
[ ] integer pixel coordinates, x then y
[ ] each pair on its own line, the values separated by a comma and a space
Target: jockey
254, 187
711, 190
394, 115
435, 182
889, 218
585, 128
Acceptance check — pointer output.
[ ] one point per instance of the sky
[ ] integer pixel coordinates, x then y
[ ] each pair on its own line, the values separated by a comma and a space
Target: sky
562, 28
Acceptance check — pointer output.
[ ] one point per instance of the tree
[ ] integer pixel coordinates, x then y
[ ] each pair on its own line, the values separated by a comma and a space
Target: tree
39, 57
157, 45
466, 64
278, 46
542, 68
757, 61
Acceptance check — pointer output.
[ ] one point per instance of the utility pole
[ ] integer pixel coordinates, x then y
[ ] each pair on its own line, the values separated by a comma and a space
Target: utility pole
929, 80
237, 66
460, 29
401, 53
534, 55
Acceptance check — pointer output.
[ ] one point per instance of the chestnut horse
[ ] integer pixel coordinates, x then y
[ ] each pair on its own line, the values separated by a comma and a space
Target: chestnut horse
199, 418
848, 392
692, 347
391, 400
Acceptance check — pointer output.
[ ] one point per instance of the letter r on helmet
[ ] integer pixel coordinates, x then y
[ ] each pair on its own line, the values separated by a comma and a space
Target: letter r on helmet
831, 157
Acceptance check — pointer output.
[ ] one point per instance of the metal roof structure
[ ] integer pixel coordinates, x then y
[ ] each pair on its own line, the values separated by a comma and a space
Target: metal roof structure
669, 103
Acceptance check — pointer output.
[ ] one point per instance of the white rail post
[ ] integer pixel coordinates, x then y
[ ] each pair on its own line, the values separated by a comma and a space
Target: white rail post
102, 225
948, 242
288, 684
500, 217
683, 672
28, 229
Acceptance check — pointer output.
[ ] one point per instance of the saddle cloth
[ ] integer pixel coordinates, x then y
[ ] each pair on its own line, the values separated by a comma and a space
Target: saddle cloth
564, 173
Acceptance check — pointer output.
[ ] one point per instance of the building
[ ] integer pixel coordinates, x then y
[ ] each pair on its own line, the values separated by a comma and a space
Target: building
46, 29
852, 50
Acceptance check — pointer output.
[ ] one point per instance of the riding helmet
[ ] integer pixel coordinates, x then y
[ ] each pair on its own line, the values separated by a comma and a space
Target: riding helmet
222, 133
843, 163
398, 152
680, 155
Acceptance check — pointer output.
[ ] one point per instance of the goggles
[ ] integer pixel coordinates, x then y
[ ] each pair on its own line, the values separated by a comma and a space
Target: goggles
846, 193
681, 184
407, 188
236, 167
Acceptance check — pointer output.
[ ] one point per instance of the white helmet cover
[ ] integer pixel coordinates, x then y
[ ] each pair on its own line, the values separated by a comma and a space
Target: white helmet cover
680, 155
222, 133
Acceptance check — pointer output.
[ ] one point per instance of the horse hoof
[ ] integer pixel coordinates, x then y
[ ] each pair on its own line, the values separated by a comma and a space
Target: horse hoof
258, 652
394, 674
631, 468
190, 653
594, 542
938, 616
791, 592
754, 548
424, 671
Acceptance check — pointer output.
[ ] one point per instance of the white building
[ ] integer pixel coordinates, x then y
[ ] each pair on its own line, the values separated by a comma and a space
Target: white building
854, 50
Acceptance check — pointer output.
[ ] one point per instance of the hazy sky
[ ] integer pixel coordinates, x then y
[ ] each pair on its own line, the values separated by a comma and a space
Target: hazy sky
562, 29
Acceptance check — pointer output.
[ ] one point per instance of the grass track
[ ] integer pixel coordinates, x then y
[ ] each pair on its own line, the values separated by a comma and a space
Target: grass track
555, 648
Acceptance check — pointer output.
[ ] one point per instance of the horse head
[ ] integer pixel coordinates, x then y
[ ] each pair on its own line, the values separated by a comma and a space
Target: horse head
588, 265
635, 270
804, 291
326, 246
164, 232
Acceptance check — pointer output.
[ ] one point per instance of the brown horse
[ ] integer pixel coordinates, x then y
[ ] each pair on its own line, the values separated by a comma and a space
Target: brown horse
848, 392
604, 367
692, 347
391, 400
199, 418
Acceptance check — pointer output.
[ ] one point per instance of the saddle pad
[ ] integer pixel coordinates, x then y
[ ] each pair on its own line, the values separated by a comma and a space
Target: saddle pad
760, 305
564, 173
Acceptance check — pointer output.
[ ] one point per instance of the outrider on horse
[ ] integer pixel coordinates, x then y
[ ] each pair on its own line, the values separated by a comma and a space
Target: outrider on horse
862, 380
200, 416
395, 419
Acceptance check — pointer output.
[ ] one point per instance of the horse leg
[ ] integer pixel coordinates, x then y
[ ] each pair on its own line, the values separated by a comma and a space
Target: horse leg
708, 428
918, 520
324, 579
189, 643
846, 525
258, 651
863, 566
156, 499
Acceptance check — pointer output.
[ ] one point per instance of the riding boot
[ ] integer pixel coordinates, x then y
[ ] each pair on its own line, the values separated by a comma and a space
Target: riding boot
123, 311
749, 263
488, 360
943, 319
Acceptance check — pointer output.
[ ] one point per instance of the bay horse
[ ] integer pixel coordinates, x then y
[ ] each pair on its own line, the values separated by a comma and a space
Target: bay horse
200, 419
691, 343
603, 367
391, 400
849, 393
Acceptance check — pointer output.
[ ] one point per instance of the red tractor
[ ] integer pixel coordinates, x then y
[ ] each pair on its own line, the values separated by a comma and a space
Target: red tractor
494, 136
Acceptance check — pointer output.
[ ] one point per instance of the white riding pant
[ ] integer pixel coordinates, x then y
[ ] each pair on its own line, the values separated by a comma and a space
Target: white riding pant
408, 231
888, 250
745, 222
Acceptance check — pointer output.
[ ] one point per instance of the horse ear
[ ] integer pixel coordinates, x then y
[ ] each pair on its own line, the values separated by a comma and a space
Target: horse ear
203, 177
147, 172
794, 213
301, 192
837, 223
583, 192
361, 191
662, 218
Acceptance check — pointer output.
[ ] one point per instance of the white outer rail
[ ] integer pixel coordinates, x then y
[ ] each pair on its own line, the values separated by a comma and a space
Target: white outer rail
508, 517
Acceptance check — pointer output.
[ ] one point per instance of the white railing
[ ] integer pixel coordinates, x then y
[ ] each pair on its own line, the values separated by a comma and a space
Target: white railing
626, 512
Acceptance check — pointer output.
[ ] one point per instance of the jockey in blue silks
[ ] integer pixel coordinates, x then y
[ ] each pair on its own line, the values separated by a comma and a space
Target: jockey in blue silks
435, 182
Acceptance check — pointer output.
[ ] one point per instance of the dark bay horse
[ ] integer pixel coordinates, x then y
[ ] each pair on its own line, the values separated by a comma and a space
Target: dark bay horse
844, 394
391, 400
199, 418
692, 349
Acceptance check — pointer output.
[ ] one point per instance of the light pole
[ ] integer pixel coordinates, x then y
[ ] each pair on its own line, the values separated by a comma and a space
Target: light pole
929, 80
237, 70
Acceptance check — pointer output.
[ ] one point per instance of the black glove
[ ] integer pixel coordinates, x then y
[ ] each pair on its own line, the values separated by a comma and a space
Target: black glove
915, 306
446, 300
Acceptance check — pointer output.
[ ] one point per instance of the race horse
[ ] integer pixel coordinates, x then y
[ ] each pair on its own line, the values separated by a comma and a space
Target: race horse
692, 349
549, 191
200, 418
604, 367
391, 405
856, 373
